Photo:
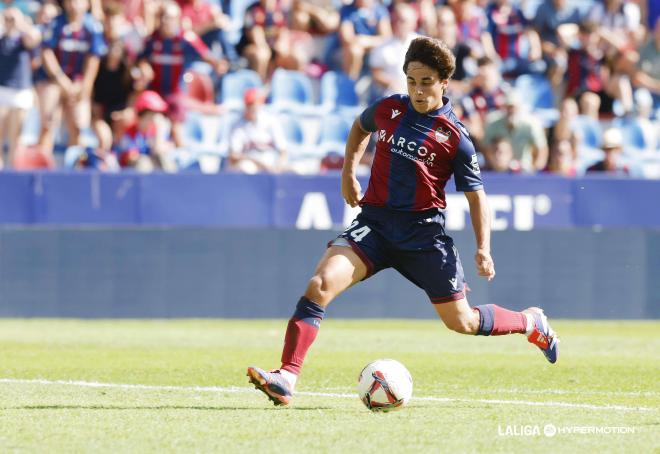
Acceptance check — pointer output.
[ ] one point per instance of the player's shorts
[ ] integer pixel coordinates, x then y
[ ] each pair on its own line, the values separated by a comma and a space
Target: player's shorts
413, 243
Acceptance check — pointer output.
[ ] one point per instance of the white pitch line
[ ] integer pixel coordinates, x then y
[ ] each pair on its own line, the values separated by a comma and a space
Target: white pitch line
236, 389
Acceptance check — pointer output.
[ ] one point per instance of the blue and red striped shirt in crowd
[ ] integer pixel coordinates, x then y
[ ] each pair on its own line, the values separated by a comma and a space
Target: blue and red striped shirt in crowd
507, 31
169, 57
416, 155
72, 47
583, 73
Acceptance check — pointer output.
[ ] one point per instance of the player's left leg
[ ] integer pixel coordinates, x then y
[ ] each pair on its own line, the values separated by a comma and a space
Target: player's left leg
493, 320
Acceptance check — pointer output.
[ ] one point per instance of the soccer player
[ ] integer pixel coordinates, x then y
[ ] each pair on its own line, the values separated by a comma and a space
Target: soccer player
420, 144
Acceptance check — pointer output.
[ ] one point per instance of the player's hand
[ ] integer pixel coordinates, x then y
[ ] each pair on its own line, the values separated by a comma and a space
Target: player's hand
351, 190
485, 265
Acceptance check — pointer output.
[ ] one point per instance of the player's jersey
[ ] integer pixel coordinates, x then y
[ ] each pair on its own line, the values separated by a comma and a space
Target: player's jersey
170, 56
72, 47
507, 31
416, 154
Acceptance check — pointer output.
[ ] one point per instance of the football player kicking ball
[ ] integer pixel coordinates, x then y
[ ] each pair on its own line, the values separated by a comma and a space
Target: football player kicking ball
401, 225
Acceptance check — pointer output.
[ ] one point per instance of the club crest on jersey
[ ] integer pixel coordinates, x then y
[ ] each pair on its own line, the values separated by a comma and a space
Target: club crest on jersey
442, 135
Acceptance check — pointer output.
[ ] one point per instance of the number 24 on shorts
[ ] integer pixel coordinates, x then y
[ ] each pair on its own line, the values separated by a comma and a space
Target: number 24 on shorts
358, 234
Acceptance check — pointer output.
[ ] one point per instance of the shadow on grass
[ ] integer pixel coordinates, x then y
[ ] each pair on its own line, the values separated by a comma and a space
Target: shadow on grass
157, 407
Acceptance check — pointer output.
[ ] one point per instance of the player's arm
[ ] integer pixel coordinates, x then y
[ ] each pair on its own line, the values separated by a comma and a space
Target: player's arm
467, 177
356, 144
480, 215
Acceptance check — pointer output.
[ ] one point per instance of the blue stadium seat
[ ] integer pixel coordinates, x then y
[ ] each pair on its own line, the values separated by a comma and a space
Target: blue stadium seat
291, 91
338, 91
292, 129
333, 134
588, 130
537, 94
234, 85
633, 135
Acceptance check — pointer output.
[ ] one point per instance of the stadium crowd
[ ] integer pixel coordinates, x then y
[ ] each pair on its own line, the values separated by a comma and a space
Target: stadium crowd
554, 86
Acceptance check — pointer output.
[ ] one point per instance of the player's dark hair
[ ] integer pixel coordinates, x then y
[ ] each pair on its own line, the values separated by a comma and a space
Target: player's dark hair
432, 53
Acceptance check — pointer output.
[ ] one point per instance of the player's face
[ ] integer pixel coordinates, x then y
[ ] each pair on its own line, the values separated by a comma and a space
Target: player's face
424, 87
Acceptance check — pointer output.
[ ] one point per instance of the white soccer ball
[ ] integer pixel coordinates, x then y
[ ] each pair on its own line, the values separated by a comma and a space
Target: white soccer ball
385, 385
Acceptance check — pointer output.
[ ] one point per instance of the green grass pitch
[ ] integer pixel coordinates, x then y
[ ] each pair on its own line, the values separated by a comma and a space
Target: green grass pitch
64, 388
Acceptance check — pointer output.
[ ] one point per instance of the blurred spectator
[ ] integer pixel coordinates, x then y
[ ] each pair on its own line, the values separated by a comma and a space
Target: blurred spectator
556, 23
257, 142
564, 129
562, 160
145, 145
618, 22
486, 96
386, 60
319, 19
524, 132
473, 28
209, 23
643, 117
612, 147
114, 83
517, 45
647, 74
166, 55
589, 104
589, 71
18, 37
73, 46
465, 65
425, 12
364, 25
267, 43
500, 159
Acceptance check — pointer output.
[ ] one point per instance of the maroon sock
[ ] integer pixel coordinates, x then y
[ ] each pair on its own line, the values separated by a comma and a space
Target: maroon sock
497, 321
300, 334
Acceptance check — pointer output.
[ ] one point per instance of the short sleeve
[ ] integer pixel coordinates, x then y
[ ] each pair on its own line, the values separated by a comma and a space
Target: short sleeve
368, 117
467, 174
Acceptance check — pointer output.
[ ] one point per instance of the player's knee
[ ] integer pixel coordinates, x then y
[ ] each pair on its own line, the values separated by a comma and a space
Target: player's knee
319, 289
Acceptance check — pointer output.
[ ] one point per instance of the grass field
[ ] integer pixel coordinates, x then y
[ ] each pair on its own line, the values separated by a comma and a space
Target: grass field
71, 386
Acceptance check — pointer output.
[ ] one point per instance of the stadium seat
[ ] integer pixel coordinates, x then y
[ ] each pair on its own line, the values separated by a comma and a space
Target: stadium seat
537, 94
333, 134
633, 134
338, 92
292, 129
234, 85
588, 130
291, 91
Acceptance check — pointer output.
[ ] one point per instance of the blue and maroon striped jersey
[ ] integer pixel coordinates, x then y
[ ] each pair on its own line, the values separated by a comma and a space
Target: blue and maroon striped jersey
507, 31
72, 47
169, 57
416, 154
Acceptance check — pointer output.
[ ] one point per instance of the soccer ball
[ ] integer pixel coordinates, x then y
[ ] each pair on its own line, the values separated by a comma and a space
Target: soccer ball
384, 385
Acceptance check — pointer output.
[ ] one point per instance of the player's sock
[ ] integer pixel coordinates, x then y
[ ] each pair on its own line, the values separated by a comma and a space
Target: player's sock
300, 334
497, 321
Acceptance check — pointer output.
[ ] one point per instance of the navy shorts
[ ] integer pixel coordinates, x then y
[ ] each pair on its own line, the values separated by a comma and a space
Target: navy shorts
413, 243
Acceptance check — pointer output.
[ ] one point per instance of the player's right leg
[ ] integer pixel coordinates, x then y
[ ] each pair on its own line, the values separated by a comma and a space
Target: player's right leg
339, 268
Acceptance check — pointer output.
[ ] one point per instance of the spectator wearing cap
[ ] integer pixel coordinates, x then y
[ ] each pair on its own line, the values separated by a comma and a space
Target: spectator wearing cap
612, 147
145, 144
73, 47
257, 143
387, 59
365, 24
524, 132
18, 37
